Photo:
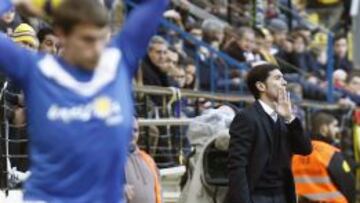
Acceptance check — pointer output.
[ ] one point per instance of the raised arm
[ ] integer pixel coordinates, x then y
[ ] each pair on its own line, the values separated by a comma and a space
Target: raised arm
139, 27
15, 62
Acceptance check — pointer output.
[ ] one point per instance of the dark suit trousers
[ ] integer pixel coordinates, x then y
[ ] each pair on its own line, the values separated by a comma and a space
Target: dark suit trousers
276, 198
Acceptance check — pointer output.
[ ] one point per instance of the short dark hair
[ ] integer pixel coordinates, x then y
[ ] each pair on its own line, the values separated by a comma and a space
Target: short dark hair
339, 37
258, 73
43, 32
74, 12
296, 35
320, 119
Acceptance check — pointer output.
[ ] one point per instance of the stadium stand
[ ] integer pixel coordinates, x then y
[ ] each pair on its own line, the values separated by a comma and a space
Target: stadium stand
196, 64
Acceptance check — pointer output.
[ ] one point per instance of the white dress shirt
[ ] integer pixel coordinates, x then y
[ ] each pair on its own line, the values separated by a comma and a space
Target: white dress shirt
272, 113
268, 110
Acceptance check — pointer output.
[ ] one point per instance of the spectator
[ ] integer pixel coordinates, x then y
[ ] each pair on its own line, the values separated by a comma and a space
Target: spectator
49, 42
25, 36
180, 106
304, 30
300, 56
213, 33
325, 170
320, 55
173, 64
354, 84
9, 21
341, 50
265, 45
190, 70
174, 17
171, 35
141, 174
279, 31
196, 31
340, 77
178, 75
209, 64
243, 48
190, 47
154, 66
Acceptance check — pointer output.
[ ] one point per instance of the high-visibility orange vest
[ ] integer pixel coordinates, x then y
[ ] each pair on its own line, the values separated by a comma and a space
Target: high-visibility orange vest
151, 164
311, 176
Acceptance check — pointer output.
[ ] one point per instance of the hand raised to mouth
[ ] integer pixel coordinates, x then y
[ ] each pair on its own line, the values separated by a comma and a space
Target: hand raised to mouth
283, 105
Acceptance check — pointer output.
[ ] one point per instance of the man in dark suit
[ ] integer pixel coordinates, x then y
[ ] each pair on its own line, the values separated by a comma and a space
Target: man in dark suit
263, 139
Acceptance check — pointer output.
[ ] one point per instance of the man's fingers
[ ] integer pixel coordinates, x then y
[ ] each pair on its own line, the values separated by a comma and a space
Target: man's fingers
279, 96
282, 96
288, 97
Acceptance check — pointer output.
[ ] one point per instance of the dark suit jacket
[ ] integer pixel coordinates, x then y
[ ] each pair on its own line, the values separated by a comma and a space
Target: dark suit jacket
250, 149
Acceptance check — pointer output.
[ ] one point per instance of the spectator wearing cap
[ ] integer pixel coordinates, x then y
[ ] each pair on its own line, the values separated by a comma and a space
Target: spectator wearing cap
25, 36
49, 42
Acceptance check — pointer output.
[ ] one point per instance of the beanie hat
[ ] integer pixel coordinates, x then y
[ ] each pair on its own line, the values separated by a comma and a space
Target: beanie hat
25, 33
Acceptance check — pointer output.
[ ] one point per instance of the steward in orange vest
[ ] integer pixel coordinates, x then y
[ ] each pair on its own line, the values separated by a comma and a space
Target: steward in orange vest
141, 175
323, 176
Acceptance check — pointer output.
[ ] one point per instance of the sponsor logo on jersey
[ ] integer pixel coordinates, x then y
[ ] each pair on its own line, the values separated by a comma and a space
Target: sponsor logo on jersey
103, 108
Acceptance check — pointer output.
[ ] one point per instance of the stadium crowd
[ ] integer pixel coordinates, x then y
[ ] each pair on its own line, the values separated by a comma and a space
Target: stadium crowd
191, 57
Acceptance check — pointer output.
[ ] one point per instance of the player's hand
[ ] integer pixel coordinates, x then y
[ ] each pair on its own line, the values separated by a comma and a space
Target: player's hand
283, 105
129, 192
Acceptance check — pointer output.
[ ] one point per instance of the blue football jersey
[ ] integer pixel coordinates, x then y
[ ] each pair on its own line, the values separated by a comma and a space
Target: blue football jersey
80, 122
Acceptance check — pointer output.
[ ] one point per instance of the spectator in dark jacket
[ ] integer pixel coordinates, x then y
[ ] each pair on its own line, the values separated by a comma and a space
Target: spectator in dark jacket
341, 49
154, 66
300, 56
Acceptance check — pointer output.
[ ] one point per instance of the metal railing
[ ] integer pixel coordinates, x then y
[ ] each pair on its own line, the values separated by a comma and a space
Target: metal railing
164, 91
